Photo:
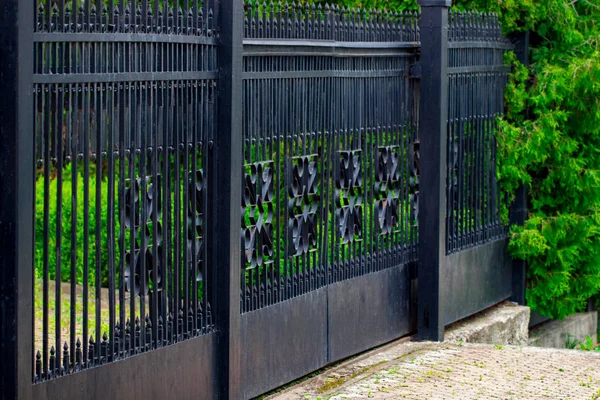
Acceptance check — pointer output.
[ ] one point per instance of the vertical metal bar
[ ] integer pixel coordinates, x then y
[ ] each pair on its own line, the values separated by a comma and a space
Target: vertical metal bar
196, 139
141, 134
122, 159
99, 121
433, 128
86, 214
17, 201
110, 153
155, 168
171, 194
46, 256
167, 270
144, 16
186, 201
58, 154
129, 130
71, 119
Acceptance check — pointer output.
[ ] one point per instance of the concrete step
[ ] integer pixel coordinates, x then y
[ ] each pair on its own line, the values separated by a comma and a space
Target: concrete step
555, 333
505, 324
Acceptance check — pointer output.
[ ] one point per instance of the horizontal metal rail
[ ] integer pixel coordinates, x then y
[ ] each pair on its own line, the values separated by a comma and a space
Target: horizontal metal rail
475, 44
330, 43
124, 77
292, 47
322, 74
59, 37
479, 69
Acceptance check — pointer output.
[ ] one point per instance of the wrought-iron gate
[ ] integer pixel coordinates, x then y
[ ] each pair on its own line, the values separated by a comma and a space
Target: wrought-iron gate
209, 200
330, 190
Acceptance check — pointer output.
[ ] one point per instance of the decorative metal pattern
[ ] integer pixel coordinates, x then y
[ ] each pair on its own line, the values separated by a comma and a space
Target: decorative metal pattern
195, 223
387, 178
257, 215
414, 159
142, 204
302, 205
328, 22
168, 18
348, 197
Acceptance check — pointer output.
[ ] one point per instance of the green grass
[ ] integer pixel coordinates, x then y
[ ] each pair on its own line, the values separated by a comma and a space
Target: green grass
65, 314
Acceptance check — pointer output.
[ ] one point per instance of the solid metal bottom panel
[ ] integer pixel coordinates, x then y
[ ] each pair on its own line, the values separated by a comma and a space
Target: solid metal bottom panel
184, 370
283, 342
368, 311
536, 319
475, 279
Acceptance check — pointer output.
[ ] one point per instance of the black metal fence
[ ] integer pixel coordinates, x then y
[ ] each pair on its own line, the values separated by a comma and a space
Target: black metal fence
180, 158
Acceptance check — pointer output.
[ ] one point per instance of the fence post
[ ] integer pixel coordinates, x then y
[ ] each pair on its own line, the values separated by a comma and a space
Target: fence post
518, 215
16, 198
226, 172
518, 209
432, 179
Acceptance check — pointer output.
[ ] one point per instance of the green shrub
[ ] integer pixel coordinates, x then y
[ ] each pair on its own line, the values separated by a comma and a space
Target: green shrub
556, 155
555, 151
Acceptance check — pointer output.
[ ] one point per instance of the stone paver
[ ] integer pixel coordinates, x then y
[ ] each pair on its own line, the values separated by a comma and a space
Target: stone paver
458, 371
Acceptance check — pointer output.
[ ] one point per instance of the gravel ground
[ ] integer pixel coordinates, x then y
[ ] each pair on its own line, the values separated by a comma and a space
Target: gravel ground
413, 370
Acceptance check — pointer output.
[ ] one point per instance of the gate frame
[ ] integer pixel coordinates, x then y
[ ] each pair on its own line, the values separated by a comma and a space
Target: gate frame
16, 198
432, 197
227, 158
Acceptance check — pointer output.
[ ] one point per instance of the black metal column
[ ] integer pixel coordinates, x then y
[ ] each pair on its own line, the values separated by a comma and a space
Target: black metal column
518, 210
432, 180
226, 186
16, 198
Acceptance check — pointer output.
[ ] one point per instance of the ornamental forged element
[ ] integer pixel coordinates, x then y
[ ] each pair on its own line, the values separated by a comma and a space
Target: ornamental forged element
141, 204
348, 196
414, 161
303, 200
257, 215
195, 221
387, 176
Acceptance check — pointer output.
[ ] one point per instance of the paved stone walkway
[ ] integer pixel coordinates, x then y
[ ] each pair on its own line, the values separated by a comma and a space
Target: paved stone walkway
412, 370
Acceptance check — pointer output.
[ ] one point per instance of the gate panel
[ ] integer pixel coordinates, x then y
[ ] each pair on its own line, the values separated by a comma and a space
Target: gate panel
475, 235
330, 186
124, 102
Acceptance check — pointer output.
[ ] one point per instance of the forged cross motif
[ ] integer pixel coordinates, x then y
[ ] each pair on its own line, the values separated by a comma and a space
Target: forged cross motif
257, 215
302, 205
349, 196
414, 163
142, 204
195, 217
386, 167
387, 177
